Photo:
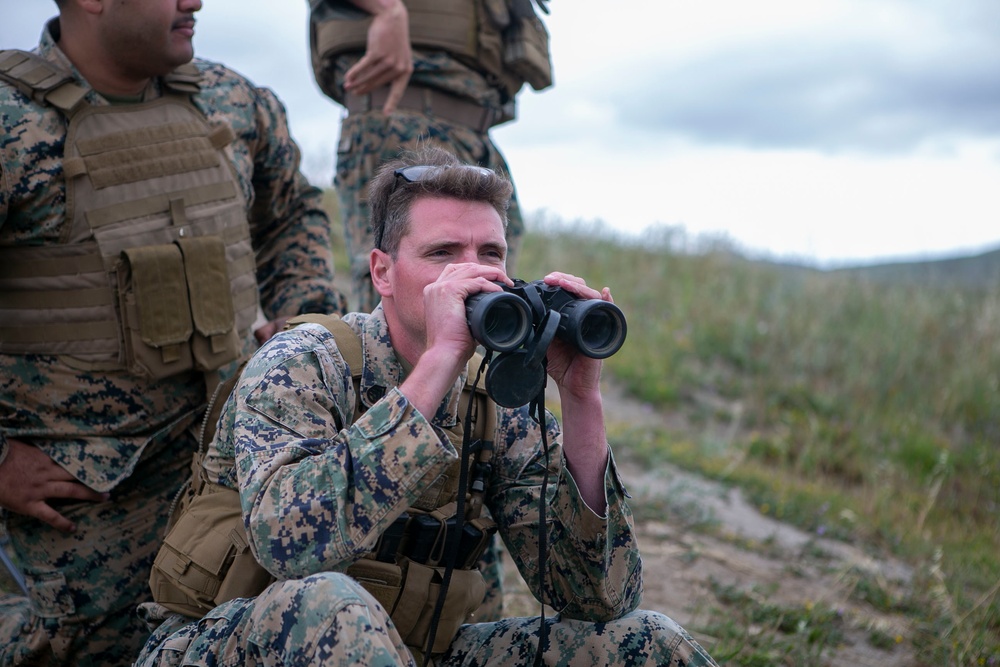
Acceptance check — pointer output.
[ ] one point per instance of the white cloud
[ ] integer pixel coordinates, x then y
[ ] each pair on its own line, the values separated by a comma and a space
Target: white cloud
828, 129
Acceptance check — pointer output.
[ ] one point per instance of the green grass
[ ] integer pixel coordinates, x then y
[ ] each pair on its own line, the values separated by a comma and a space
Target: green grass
752, 631
868, 410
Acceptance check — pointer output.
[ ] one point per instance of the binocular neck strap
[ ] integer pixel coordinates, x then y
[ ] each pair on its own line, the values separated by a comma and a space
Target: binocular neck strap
540, 343
453, 537
537, 408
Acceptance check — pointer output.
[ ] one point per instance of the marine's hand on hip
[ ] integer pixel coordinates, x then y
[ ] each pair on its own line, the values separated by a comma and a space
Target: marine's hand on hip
29, 479
388, 58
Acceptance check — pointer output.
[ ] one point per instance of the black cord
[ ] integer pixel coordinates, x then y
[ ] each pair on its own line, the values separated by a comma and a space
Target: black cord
538, 407
452, 538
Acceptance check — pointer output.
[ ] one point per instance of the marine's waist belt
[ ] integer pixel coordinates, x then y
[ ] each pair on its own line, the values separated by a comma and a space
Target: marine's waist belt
431, 102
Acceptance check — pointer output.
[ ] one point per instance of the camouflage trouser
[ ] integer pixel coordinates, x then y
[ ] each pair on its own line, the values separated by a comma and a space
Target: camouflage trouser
329, 619
370, 138
85, 586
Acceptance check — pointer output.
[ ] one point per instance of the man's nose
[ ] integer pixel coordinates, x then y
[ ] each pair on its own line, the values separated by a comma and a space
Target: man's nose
470, 256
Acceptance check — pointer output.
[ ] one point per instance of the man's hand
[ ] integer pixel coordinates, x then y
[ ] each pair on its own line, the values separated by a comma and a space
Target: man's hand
388, 58
29, 480
268, 329
448, 344
579, 380
444, 304
571, 370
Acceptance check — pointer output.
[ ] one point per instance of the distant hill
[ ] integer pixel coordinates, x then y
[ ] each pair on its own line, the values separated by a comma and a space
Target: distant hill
976, 271
980, 271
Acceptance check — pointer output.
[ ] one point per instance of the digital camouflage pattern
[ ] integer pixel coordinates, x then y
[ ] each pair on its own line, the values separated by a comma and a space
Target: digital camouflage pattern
85, 586
367, 139
317, 491
113, 431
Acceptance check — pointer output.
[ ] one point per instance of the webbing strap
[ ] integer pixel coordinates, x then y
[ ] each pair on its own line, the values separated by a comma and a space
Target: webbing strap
159, 204
349, 344
73, 331
25, 265
46, 299
221, 136
431, 102
41, 80
437, 24
140, 136
141, 163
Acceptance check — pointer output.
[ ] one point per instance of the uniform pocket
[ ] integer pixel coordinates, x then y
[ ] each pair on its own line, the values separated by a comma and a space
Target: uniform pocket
155, 310
216, 341
415, 609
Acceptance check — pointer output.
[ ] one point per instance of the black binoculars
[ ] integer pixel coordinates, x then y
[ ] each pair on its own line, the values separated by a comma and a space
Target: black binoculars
520, 321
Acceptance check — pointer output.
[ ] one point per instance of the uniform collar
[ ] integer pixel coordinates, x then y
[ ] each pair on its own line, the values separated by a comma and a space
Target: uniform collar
383, 370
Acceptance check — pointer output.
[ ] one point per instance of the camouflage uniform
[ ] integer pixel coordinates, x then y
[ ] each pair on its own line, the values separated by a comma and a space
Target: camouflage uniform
115, 432
369, 138
317, 493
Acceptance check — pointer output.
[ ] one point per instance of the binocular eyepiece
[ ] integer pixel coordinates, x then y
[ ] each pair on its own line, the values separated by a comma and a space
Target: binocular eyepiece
504, 321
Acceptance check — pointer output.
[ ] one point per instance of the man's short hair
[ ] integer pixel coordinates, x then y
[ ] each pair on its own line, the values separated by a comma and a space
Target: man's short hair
428, 172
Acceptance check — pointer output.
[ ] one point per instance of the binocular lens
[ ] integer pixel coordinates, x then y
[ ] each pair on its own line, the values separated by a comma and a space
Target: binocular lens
500, 321
597, 328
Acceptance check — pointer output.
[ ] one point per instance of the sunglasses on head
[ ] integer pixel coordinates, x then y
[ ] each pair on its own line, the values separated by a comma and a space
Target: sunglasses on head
421, 172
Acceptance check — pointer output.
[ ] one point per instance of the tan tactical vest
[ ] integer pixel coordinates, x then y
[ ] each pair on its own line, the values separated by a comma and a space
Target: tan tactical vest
205, 559
503, 39
156, 271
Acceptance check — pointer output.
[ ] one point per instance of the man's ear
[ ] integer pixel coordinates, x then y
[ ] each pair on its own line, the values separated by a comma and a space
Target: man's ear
379, 265
89, 6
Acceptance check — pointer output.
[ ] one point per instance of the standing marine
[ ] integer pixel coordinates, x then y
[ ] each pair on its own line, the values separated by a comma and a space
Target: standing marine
421, 72
154, 226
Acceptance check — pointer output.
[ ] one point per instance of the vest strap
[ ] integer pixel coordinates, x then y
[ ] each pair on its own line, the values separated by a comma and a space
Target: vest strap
58, 333
41, 80
16, 262
154, 204
432, 103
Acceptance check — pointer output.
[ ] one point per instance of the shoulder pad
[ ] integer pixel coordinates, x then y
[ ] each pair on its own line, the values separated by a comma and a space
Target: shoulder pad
41, 80
347, 340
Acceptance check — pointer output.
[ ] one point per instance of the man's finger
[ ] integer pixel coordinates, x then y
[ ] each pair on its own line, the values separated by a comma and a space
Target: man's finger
46, 514
396, 91
74, 491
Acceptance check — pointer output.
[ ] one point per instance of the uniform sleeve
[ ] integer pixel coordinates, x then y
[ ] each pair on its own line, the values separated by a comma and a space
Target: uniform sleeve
290, 227
315, 496
4, 193
593, 571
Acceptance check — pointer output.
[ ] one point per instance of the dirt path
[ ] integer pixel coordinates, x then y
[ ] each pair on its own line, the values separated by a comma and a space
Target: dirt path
724, 541
697, 536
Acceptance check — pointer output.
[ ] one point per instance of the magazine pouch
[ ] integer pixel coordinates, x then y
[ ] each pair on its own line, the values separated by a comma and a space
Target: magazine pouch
526, 46
215, 341
155, 311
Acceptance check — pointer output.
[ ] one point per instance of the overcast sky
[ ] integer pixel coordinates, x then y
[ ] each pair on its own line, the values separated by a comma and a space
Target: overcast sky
824, 130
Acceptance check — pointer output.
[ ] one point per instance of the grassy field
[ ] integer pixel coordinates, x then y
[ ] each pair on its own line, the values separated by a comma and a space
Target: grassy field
868, 410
